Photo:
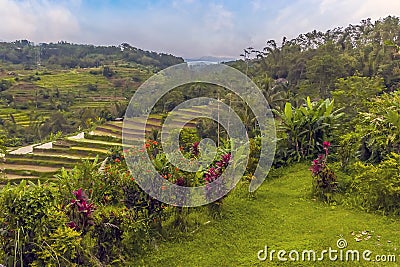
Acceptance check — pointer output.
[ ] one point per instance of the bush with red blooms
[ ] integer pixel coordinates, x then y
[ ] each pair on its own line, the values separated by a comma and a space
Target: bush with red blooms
195, 149
325, 182
211, 176
214, 173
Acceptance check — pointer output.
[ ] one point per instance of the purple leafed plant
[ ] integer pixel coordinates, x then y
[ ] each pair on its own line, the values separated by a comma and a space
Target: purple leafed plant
80, 211
195, 149
214, 173
325, 179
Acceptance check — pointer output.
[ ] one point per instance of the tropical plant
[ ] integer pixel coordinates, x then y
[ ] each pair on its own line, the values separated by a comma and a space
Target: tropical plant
353, 94
377, 187
303, 129
80, 211
33, 227
275, 91
378, 130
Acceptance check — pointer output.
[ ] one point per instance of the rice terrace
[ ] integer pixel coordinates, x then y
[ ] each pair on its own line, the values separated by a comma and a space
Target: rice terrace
86, 167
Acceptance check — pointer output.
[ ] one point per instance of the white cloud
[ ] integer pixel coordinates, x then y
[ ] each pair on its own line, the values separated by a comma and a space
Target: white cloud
187, 28
302, 16
218, 18
354, 11
37, 20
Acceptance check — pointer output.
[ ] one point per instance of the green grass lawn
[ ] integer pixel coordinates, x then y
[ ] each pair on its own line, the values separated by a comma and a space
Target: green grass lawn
282, 216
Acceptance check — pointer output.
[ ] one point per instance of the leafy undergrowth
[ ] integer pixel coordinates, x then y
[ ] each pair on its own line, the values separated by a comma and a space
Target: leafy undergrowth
282, 216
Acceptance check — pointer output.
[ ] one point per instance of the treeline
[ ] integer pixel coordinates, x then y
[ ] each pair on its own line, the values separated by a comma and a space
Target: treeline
68, 55
312, 63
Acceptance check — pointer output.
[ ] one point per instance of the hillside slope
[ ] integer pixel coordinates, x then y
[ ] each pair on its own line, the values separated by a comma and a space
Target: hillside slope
282, 216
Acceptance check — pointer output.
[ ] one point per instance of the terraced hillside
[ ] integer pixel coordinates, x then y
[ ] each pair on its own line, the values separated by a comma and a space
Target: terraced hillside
81, 95
45, 160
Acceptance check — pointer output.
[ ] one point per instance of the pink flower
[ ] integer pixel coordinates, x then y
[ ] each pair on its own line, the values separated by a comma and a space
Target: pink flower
195, 149
211, 175
326, 144
226, 158
72, 225
78, 194
315, 167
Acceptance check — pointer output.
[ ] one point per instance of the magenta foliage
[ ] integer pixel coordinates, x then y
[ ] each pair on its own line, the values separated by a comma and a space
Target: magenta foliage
81, 210
215, 171
195, 149
180, 181
326, 145
319, 163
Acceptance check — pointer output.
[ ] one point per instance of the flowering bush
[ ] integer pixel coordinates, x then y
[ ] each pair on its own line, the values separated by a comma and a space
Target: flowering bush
195, 149
212, 175
133, 196
32, 227
325, 179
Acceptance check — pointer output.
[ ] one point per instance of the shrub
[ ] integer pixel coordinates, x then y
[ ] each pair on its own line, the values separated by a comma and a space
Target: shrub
348, 151
60, 248
4, 84
325, 182
92, 87
32, 227
377, 187
377, 133
108, 232
303, 129
101, 187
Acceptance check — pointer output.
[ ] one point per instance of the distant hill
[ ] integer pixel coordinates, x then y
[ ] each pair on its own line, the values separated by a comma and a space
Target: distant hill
211, 59
68, 55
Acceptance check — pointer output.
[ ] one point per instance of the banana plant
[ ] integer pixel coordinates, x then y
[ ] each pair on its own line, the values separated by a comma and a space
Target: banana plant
305, 128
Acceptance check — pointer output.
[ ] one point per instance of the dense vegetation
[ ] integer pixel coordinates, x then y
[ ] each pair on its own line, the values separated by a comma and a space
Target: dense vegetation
67, 55
64, 87
336, 102
358, 68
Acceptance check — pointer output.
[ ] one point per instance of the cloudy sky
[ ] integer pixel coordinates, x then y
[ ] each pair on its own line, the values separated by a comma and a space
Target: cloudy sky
188, 28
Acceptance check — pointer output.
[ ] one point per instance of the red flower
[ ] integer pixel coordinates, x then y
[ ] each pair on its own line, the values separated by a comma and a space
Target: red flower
326, 144
195, 149
78, 194
72, 225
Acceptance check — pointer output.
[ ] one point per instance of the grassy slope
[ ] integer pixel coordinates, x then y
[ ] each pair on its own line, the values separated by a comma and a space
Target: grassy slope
282, 216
